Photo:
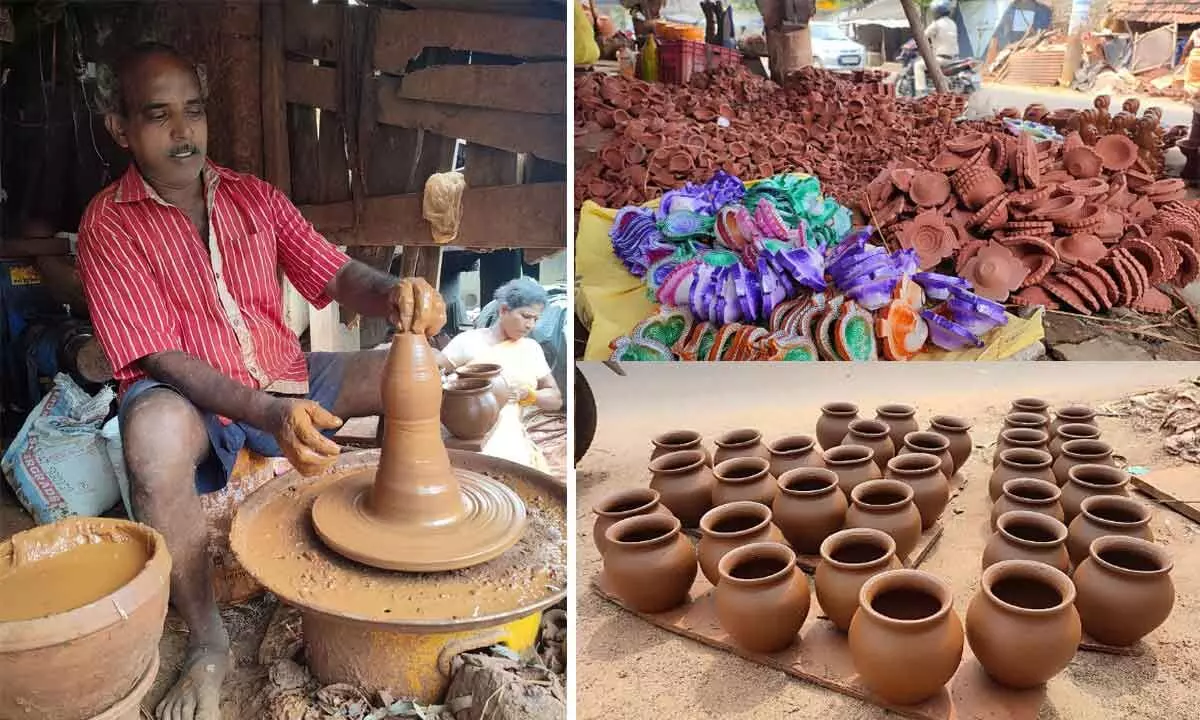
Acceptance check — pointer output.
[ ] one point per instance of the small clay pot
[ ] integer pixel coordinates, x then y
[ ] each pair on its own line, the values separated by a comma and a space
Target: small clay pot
1031, 495
931, 488
906, 641
1032, 405
622, 504
762, 599
1073, 414
853, 464
1020, 463
809, 507
957, 431
744, 478
931, 443
1022, 624
744, 442
886, 505
1085, 481
649, 562
835, 423
1081, 452
1032, 438
1024, 535
491, 372
730, 526
901, 420
1104, 515
469, 408
1032, 421
875, 435
1123, 590
848, 559
676, 440
793, 451
685, 485
1072, 431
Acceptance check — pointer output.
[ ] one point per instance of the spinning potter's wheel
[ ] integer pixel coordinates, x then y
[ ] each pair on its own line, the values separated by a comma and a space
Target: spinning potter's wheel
416, 512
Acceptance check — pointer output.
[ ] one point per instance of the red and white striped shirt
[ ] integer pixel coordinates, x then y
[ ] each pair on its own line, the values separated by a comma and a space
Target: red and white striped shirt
153, 284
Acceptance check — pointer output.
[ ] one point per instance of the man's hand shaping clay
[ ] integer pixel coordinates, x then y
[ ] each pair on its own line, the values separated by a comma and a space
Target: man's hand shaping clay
417, 308
296, 426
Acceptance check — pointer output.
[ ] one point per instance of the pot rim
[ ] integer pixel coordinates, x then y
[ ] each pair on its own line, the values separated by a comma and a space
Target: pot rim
1130, 544
1026, 458
1030, 517
670, 464
760, 467
953, 423
1009, 487
772, 550
736, 508
653, 496
1086, 448
1097, 470
839, 409
931, 462
468, 386
669, 524
906, 578
868, 428
804, 443
1029, 570
1078, 412
1087, 432
679, 439
831, 544
856, 455
1025, 419
1030, 404
1144, 516
903, 488
809, 473
910, 438
739, 438
898, 410
481, 368
1012, 436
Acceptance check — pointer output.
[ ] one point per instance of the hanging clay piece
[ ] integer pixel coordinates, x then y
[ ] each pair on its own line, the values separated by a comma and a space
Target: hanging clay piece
1020, 437
905, 639
901, 420
930, 486
620, 505
1123, 590
848, 559
1025, 535
930, 443
1038, 496
685, 483
676, 440
1020, 463
793, 451
1105, 515
873, 434
1073, 414
957, 431
809, 507
834, 422
1022, 624
853, 464
729, 526
762, 599
649, 562
743, 478
744, 442
1084, 481
1081, 452
886, 505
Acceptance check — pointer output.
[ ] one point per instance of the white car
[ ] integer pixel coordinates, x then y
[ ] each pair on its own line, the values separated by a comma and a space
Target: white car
834, 50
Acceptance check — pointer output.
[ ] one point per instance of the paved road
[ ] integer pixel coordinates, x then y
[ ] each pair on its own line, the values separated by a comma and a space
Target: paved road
994, 96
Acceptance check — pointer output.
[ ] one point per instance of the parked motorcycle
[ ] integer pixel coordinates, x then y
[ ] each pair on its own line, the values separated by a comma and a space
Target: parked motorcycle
962, 76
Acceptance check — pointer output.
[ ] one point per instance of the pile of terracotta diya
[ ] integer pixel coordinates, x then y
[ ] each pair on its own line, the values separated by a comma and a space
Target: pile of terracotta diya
1083, 224
861, 503
840, 127
772, 271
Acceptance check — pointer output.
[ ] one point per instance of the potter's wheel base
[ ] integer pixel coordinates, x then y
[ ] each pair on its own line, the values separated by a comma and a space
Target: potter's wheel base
492, 521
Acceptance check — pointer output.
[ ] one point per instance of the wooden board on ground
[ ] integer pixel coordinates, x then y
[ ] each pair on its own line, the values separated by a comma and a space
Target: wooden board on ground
822, 656
1176, 488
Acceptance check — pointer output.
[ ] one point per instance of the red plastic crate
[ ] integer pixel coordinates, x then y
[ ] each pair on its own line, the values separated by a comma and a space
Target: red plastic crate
678, 59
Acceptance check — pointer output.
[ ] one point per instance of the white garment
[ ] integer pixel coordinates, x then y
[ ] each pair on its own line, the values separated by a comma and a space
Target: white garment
942, 35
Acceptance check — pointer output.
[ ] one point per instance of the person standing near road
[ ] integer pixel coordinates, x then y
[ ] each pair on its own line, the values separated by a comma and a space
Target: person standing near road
942, 35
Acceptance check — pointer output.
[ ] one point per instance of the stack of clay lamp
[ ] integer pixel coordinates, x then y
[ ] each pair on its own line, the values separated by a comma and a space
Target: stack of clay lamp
862, 506
1084, 224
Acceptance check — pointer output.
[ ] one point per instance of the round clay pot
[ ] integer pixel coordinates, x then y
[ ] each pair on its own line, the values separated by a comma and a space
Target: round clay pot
957, 431
809, 507
793, 451
1020, 463
676, 440
1123, 590
1032, 405
1029, 494
1071, 431
745, 442
1104, 515
649, 562
685, 484
1022, 624
853, 464
930, 443
1024, 535
1084, 481
622, 504
1033, 421
875, 435
848, 559
1081, 452
835, 423
1073, 414
931, 488
901, 420
886, 505
469, 408
78, 663
744, 478
1020, 438
762, 599
906, 641
492, 373
730, 526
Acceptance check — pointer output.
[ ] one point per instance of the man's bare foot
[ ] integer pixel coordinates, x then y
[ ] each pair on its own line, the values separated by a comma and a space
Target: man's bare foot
196, 695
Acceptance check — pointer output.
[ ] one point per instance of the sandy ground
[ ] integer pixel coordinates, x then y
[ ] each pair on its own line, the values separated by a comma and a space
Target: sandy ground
630, 669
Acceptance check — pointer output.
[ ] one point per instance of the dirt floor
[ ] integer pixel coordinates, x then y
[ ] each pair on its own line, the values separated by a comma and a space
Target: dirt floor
630, 669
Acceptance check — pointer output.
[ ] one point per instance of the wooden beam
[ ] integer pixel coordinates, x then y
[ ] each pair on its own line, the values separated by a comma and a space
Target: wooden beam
510, 216
531, 87
276, 163
313, 30
403, 34
311, 85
